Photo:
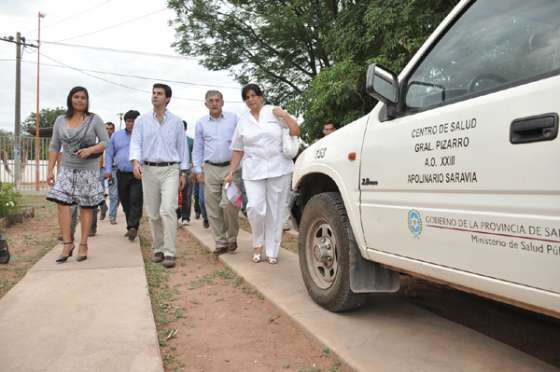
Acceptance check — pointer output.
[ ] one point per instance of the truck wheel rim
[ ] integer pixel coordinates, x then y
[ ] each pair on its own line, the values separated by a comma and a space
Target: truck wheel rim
321, 254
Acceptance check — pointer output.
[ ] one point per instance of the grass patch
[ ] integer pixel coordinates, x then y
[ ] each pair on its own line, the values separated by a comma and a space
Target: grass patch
162, 298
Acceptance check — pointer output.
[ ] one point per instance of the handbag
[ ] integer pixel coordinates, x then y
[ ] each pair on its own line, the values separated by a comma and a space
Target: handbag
290, 144
83, 144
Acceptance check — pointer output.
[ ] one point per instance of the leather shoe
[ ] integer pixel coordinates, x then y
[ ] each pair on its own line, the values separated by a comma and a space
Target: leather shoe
232, 247
168, 262
157, 257
220, 250
132, 234
206, 224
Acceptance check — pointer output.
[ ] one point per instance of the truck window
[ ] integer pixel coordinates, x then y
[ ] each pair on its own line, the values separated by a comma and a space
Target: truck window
493, 45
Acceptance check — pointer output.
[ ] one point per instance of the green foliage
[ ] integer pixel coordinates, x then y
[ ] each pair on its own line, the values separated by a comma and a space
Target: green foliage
47, 117
337, 94
310, 56
9, 199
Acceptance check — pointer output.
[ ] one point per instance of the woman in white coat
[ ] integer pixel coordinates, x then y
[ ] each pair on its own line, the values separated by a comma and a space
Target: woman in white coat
267, 173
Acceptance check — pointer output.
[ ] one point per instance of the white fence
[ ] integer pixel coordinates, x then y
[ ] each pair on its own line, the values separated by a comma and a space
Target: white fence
33, 168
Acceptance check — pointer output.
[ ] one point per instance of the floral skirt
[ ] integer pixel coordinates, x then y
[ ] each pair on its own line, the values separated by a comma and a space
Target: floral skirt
77, 186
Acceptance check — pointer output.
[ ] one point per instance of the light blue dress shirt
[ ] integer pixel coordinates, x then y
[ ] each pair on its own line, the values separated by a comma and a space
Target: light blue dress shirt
118, 151
155, 142
212, 139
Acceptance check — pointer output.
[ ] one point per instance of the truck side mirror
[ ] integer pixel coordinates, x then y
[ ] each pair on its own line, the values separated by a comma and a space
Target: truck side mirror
382, 84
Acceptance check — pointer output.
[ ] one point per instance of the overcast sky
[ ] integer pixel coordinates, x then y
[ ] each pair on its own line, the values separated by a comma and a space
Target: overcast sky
68, 22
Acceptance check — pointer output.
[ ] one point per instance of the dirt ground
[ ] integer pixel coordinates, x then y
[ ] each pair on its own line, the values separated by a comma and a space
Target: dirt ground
209, 319
29, 241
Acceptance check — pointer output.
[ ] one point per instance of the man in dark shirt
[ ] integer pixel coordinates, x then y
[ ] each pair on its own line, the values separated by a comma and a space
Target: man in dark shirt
129, 187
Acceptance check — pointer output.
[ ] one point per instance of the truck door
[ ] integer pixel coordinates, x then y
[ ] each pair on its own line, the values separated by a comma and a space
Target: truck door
468, 175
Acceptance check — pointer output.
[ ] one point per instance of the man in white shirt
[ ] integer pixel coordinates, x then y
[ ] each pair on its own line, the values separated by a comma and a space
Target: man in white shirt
211, 160
158, 141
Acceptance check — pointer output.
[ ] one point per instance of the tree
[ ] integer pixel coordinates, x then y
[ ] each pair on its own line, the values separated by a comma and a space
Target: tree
310, 55
47, 117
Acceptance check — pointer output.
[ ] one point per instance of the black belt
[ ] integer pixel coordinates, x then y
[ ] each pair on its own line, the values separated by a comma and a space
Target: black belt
160, 164
224, 164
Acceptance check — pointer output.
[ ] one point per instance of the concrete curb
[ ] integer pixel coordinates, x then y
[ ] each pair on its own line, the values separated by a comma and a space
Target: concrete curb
387, 335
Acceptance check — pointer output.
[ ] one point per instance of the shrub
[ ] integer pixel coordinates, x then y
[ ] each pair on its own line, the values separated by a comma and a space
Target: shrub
9, 199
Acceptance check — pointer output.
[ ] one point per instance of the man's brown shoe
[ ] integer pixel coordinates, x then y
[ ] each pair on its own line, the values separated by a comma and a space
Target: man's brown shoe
168, 262
232, 247
157, 257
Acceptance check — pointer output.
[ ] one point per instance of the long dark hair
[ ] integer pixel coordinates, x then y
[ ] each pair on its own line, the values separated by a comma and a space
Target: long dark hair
70, 109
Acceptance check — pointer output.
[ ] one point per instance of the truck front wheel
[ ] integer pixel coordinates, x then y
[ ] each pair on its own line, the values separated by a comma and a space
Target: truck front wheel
325, 240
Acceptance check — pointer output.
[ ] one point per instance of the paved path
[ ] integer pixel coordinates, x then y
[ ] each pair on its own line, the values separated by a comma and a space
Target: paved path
388, 335
93, 315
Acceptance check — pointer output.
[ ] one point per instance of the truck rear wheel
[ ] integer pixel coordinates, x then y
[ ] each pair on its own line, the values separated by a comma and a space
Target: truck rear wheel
325, 240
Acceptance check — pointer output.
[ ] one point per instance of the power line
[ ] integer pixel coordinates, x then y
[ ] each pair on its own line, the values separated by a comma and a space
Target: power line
113, 26
124, 51
73, 15
119, 84
131, 76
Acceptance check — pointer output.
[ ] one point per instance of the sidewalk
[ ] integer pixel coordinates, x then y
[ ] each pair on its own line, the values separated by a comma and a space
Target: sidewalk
387, 335
93, 315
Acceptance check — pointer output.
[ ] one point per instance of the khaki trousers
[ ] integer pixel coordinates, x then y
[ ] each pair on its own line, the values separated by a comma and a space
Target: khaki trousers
224, 222
160, 186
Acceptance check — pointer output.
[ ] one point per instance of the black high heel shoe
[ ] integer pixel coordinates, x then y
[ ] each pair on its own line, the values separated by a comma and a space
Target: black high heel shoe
61, 258
82, 258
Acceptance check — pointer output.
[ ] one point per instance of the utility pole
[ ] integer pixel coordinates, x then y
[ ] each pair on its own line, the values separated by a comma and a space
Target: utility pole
120, 115
20, 42
38, 114
17, 129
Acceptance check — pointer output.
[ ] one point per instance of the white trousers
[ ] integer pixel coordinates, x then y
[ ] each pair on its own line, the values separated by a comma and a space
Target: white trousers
160, 186
266, 210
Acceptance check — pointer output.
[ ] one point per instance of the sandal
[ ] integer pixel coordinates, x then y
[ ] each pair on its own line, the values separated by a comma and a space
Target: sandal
257, 254
272, 260
62, 258
84, 257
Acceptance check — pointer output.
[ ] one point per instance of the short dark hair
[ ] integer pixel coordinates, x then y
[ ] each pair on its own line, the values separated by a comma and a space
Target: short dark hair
131, 114
70, 109
331, 122
251, 87
110, 124
166, 88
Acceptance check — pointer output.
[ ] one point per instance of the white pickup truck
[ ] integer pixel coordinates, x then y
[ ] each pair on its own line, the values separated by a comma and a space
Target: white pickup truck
454, 176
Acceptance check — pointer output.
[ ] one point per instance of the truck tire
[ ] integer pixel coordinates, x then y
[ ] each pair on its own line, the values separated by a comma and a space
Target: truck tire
325, 240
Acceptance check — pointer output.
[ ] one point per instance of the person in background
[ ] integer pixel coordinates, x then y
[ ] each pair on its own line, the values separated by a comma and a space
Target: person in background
112, 181
82, 135
329, 127
184, 213
118, 169
158, 141
267, 173
211, 159
199, 203
102, 208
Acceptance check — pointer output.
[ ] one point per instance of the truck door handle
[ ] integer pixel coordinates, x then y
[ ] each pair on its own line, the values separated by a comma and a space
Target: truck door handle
534, 129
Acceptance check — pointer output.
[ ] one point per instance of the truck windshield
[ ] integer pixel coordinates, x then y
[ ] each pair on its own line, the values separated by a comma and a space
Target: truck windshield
493, 44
